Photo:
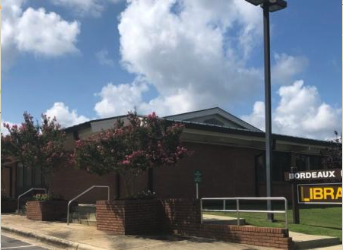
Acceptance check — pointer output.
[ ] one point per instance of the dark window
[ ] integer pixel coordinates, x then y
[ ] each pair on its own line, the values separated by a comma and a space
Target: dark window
27, 176
281, 164
38, 176
308, 162
76, 135
20, 175
260, 168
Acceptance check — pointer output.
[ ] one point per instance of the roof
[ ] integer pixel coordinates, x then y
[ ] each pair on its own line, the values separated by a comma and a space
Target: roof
234, 120
242, 128
260, 134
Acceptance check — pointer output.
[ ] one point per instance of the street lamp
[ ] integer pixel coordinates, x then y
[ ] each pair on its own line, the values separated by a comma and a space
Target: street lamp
268, 6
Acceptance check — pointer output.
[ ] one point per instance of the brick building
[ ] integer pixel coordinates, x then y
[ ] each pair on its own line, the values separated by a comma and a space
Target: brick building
228, 151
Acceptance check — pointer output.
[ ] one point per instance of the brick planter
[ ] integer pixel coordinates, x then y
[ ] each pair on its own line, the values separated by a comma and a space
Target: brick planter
46, 210
8, 206
181, 217
127, 217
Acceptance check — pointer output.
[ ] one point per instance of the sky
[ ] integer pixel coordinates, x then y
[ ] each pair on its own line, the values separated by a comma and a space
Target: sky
80, 60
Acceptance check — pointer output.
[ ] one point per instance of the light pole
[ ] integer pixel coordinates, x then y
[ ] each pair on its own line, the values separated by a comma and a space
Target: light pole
268, 6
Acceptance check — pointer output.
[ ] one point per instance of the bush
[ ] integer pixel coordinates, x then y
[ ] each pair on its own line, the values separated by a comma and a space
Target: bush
46, 197
143, 195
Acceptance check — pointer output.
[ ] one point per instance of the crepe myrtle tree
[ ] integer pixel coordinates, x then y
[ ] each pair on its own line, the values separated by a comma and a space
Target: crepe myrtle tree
130, 149
35, 145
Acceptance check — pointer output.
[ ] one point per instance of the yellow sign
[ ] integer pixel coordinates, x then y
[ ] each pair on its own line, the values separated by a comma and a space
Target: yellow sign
326, 193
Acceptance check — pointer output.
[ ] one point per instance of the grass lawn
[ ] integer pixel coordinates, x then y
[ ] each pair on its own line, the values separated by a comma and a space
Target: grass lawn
313, 220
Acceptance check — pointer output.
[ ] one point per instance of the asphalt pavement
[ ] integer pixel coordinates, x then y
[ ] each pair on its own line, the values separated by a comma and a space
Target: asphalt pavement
14, 244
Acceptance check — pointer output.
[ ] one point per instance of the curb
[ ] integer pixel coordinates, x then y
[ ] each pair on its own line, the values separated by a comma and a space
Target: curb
50, 239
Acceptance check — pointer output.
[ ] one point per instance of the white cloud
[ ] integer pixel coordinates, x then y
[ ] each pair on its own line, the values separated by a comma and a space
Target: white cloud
257, 117
85, 7
34, 31
287, 67
46, 33
119, 99
65, 116
103, 57
181, 48
300, 112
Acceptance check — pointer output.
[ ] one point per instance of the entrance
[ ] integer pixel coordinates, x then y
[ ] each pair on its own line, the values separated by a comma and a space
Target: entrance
28, 178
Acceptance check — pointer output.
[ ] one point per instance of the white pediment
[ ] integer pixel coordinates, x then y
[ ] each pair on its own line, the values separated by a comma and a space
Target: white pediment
214, 116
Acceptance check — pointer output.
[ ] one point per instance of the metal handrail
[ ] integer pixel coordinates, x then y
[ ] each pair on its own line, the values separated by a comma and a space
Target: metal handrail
237, 210
31, 189
84, 192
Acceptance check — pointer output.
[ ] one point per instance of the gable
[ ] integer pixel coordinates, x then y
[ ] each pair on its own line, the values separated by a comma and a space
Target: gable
215, 117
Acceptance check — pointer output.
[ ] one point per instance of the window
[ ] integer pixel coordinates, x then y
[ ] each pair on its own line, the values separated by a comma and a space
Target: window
37, 176
27, 176
308, 162
20, 175
281, 164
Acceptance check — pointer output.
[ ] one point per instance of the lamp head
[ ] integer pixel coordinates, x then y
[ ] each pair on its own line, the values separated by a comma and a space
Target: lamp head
273, 5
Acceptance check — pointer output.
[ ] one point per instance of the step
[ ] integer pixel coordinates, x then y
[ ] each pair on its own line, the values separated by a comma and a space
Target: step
306, 241
83, 209
86, 222
226, 220
82, 215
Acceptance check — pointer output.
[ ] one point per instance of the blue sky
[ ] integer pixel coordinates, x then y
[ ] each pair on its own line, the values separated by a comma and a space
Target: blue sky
197, 57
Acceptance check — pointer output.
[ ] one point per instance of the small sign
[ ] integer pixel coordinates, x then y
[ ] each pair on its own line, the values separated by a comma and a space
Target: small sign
197, 176
333, 174
326, 193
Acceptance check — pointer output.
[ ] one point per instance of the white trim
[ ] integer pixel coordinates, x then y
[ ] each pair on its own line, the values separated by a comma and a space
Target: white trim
213, 111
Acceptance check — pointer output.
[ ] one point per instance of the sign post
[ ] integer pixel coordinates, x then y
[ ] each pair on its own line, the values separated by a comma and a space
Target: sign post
197, 180
296, 218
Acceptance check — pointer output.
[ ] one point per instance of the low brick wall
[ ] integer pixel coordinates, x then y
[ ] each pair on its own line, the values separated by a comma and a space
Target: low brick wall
176, 215
46, 210
181, 217
129, 217
8, 206
259, 236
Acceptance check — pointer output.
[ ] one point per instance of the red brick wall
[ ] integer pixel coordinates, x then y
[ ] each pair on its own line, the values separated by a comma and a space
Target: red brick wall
129, 217
226, 171
178, 214
70, 182
46, 210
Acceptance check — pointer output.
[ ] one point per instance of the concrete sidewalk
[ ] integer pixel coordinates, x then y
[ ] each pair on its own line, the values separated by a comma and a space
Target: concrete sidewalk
76, 236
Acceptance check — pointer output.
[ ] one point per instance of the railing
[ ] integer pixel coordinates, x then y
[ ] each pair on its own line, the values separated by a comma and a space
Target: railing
84, 192
31, 189
237, 210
